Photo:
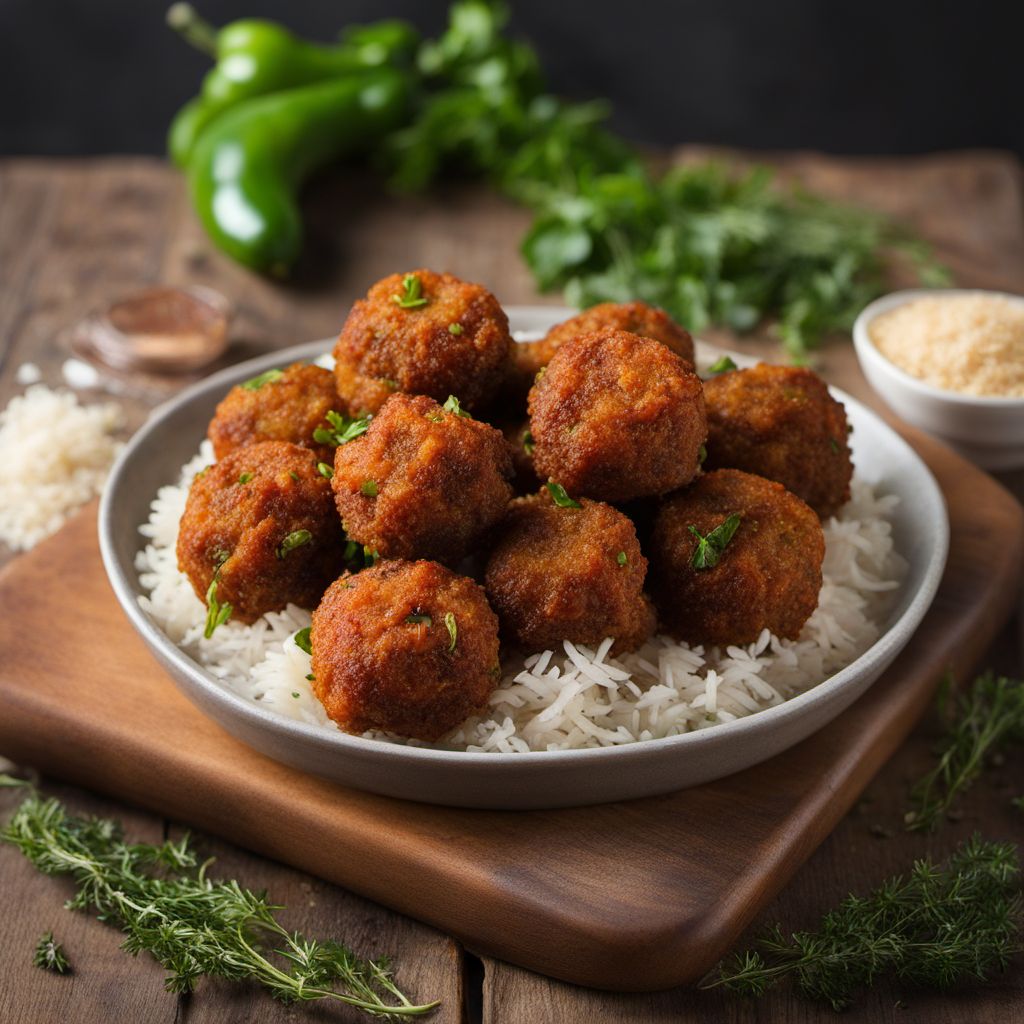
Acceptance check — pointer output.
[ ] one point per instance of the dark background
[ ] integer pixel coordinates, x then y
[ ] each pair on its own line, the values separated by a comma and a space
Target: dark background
101, 76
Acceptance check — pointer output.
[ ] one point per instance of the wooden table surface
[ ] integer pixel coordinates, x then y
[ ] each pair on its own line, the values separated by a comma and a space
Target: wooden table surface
76, 234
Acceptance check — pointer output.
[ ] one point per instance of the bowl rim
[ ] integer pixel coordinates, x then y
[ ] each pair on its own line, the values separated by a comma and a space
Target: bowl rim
867, 349
219, 692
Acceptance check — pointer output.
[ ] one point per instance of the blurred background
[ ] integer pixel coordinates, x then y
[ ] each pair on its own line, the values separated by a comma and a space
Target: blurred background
105, 76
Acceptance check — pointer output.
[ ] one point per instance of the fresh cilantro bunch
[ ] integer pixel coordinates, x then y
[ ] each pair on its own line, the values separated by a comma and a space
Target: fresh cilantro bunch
712, 247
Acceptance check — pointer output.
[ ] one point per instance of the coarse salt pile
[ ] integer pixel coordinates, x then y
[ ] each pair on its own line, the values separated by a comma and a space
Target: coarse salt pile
54, 456
972, 343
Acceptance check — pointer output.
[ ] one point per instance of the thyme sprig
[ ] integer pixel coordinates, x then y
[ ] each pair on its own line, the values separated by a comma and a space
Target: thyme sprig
161, 898
49, 954
934, 927
982, 718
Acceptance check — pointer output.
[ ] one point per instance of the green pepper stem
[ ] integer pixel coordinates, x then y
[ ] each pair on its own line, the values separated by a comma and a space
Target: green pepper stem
195, 30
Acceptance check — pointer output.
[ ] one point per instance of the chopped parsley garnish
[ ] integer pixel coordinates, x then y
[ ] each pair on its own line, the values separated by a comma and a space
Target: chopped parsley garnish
722, 364
310, 677
561, 497
202, 472
295, 693
834, 445
342, 429
453, 630
369, 488
419, 620
325, 470
219, 557
294, 540
412, 293
455, 329
702, 455
245, 478
452, 406
267, 377
621, 559
710, 548
293, 475
302, 640
359, 556
49, 955
528, 444
216, 613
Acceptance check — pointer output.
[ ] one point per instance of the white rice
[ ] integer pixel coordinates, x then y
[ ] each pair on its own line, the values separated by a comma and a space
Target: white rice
578, 696
54, 457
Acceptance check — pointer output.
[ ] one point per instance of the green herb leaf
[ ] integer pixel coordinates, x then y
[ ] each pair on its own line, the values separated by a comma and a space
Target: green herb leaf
342, 429
721, 365
834, 445
216, 613
528, 445
245, 478
50, 955
163, 898
294, 540
702, 455
984, 718
368, 488
293, 475
296, 694
452, 406
560, 496
621, 559
418, 620
455, 329
933, 927
302, 640
412, 293
453, 630
267, 377
358, 556
325, 470
710, 548
219, 557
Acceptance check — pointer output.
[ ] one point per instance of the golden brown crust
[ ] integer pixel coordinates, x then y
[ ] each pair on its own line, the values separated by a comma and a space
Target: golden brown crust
634, 317
375, 669
384, 348
769, 575
780, 422
568, 574
422, 482
616, 417
239, 513
289, 408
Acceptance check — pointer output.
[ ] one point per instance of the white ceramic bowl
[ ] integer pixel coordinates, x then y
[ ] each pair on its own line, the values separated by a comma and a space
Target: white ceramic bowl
543, 778
988, 431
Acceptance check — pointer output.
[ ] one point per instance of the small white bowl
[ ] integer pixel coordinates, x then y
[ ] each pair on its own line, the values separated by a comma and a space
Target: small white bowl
988, 431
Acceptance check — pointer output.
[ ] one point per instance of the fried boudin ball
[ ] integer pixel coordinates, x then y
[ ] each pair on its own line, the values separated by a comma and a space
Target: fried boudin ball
766, 575
424, 334
568, 573
634, 317
616, 416
407, 647
530, 357
424, 481
781, 423
279, 405
261, 523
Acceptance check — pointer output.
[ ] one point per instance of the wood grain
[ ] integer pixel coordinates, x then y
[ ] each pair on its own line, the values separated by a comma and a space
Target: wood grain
968, 204
691, 868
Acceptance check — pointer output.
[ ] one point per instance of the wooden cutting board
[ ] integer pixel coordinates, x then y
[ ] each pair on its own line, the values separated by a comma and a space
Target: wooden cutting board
640, 895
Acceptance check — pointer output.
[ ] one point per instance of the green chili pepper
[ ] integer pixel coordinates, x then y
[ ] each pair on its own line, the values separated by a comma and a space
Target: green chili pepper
257, 58
249, 164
